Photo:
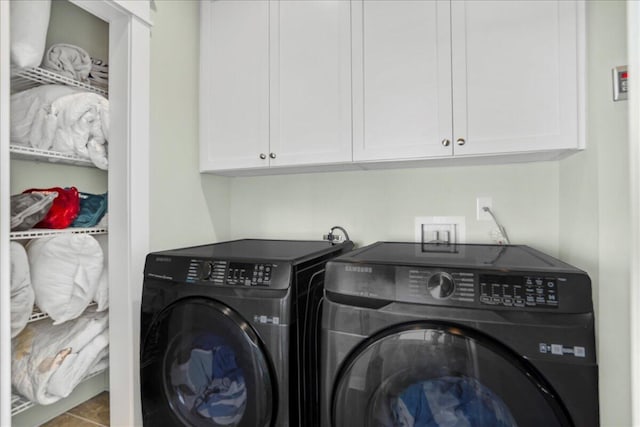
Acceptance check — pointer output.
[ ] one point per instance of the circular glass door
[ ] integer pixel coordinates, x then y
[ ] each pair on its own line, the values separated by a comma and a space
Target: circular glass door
203, 365
428, 374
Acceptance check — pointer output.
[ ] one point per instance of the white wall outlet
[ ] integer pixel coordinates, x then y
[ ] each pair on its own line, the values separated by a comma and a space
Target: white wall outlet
440, 229
481, 214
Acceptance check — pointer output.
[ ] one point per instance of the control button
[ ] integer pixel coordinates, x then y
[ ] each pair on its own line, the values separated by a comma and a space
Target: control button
441, 285
485, 300
207, 269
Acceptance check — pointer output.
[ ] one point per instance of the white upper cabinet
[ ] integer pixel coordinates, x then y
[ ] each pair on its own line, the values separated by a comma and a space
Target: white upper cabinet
310, 82
234, 84
464, 78
401, 79
275, 83
515, 76
301, 85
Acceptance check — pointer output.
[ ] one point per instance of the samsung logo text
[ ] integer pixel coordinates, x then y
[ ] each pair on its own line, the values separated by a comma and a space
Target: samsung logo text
358, 269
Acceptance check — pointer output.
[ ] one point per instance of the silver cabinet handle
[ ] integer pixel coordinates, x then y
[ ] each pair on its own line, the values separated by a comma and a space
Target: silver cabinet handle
272, 155
263, 156
461, 141
445, 142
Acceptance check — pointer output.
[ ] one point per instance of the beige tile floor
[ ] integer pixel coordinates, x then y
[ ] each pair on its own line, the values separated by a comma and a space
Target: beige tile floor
94, 412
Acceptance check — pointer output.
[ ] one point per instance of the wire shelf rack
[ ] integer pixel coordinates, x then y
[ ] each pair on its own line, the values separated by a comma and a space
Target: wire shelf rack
26, 78
21, 152
37, 314
20, 404
36, 233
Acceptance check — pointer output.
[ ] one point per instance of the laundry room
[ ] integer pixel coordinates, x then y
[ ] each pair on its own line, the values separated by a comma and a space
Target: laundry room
575, 204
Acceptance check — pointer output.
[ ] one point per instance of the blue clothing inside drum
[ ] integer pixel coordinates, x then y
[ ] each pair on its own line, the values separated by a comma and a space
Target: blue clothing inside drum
210, 381
450, 402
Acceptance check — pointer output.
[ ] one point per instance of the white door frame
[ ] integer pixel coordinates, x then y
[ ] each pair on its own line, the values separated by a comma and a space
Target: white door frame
129, 51
129, 56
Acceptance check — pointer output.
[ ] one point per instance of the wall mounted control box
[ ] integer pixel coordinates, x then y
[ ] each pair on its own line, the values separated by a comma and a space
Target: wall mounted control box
620, 87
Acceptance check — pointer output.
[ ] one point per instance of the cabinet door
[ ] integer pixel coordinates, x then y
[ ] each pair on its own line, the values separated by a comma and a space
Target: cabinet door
310, 82
402, 79
515, 75
234, 83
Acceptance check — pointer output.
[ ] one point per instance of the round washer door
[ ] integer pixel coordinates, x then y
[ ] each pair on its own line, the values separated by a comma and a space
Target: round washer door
203, 365
432, 374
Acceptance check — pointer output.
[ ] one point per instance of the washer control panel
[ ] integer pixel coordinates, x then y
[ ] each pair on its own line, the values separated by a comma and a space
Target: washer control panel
453, 287
519, 291
425, 285
230, 273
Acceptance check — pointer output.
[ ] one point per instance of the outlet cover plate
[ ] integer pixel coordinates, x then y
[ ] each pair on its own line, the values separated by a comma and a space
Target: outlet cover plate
440, 229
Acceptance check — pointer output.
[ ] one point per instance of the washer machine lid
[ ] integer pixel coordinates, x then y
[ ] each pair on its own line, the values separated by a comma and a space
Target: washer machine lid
203, 365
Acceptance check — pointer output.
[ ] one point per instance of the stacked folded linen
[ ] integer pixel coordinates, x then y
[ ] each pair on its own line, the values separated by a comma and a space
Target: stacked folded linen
29, 24
66, 274
22, 296
49, 361
68, 60
63, 119
99, 74
102, 291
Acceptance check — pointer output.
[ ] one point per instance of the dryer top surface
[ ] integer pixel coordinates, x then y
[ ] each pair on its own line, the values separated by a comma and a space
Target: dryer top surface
473, 256
292, 251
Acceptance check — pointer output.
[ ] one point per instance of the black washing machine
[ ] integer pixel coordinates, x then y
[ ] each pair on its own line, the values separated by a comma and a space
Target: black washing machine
473, 335
229, 333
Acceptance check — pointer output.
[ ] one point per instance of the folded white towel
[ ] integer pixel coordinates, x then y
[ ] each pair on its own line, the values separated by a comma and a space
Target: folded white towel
99, 75
63, 119
69, 60
82, 126
22, 296
29, 111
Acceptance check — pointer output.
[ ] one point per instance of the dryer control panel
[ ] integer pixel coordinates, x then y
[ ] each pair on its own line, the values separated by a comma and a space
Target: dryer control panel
230, 273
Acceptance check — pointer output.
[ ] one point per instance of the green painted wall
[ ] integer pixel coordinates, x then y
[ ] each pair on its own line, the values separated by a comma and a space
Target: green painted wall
594, 207
575, 208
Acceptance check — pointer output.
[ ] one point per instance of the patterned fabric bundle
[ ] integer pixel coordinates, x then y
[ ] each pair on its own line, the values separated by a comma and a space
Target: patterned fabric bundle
210, 381
450, 402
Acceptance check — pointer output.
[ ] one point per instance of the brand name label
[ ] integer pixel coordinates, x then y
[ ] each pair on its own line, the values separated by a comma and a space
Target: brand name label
358, 269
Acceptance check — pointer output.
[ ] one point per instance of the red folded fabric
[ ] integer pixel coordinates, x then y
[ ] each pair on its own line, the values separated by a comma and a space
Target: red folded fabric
65, 207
